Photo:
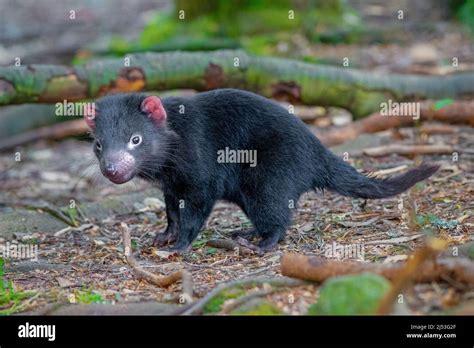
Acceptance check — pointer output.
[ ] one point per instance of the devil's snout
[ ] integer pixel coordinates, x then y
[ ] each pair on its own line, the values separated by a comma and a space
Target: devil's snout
118, 167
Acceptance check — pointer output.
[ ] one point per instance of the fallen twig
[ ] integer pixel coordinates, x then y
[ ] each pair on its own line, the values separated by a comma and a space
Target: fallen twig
388, 171
437, 129
358, 223
245, 243
459, 112
232, 245
69, 228
403, 149
397, 240
161, 281
55, 132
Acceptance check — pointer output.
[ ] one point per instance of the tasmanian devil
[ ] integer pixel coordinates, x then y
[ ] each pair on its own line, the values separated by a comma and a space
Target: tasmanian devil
197, 148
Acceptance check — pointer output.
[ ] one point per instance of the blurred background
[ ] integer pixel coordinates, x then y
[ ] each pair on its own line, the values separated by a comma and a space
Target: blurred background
323, 31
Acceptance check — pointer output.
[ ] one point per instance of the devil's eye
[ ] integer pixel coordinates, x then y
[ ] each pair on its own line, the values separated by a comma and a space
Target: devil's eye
135, 140
98, 145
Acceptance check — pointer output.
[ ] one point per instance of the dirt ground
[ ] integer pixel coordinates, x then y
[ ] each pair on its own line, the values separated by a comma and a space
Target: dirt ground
75, 264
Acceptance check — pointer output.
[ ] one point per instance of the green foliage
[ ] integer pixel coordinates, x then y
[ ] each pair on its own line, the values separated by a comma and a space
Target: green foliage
466, 14
73, 215
10, 299
439, 104
162, 27
211, 251
350, 295
117, 44
261, 308
87, 296
254, 22
437, 222
199, 243
271, 20
259, 44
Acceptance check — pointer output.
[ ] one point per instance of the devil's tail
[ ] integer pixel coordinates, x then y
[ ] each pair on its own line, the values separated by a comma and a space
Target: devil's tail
346, 181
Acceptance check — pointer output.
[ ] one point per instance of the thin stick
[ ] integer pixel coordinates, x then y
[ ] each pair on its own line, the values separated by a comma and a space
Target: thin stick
402, 149
230, 245
459, 112
57, 131
160, 281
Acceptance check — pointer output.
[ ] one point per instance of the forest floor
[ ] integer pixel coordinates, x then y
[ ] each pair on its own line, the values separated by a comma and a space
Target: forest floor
86, 263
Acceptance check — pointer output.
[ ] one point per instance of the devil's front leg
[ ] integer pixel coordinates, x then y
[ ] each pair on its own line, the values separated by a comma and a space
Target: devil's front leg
172, 230
192, 215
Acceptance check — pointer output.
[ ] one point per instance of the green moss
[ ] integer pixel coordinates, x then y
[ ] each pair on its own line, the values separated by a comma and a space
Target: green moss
262, 308
263, 45
162, 27
350, 295
437, 222
466, 14
87, 296
215, 304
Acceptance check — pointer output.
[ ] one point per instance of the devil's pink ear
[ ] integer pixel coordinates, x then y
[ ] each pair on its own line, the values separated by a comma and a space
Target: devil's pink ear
154, 109
90, 114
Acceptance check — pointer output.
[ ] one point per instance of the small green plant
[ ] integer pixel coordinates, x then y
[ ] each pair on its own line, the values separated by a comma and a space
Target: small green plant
439, 104
88, 295
73, 215
466, 14
262, 308
215, 304
211, 251
161, 28
10, 299
435, 221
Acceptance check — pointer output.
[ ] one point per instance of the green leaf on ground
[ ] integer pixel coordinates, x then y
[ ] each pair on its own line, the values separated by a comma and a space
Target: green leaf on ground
10, 299
439, 104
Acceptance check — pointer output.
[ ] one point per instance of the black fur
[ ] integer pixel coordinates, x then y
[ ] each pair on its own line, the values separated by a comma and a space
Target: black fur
182, 157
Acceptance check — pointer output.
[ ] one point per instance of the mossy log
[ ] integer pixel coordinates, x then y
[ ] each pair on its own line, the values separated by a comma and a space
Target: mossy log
360, 92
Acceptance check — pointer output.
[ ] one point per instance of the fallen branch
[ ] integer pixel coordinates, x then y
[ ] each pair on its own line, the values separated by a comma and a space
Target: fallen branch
430, 129
388, 171
459, 112
407, 150
56, 132
197, 307
244, 299
234, 245
160, 281
395, 241
319, 269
